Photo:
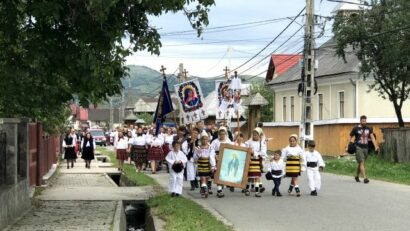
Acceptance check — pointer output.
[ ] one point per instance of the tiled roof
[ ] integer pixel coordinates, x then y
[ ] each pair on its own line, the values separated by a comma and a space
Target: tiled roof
280, 63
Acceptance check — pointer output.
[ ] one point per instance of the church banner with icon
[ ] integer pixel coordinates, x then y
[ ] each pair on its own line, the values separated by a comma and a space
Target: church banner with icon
229, 99
190, 99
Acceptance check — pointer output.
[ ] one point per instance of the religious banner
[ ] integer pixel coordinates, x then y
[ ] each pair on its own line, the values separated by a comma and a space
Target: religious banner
190, 99
225, 100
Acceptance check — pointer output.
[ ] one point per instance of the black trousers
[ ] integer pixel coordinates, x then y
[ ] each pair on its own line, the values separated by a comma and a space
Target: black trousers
276, 182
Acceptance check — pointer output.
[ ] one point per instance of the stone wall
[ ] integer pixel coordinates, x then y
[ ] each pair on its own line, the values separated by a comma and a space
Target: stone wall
14, 187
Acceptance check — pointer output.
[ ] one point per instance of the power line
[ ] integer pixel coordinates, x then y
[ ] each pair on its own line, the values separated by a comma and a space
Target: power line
270, 41
233, 26
293, 35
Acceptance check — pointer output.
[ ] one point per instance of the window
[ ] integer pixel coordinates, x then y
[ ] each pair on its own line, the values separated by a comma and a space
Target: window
292, 108
320, 106
284, 109
341, 104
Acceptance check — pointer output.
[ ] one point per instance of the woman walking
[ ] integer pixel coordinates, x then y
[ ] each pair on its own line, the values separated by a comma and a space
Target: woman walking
138, 150
155, 153
88, 147
121, 150
69, 150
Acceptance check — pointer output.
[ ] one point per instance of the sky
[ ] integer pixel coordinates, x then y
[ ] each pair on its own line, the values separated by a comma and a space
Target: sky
232, 46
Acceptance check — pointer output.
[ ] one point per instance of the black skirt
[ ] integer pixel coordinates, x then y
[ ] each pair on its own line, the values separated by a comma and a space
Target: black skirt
88, 153
69, 154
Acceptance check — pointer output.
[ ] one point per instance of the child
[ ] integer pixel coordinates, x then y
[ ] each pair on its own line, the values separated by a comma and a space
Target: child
293, 156
315, 165
259, 149
277, 168
177, 160
205, 157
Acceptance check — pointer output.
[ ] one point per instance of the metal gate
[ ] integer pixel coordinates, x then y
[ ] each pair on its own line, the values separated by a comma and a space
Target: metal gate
3, 157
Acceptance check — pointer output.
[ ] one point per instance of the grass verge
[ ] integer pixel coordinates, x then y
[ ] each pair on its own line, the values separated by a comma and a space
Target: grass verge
179, 213
376, 168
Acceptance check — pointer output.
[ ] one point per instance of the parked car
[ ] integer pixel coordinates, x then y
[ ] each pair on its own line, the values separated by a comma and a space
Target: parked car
99, 136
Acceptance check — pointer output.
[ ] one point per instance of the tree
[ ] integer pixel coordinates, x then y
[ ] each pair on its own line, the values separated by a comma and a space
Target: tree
380, 38
55, 50
266, 92
148, 118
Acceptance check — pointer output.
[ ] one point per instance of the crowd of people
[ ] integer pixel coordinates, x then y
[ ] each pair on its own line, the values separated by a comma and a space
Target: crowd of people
192, 153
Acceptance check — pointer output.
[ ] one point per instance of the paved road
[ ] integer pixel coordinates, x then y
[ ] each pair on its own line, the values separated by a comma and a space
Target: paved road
342, 205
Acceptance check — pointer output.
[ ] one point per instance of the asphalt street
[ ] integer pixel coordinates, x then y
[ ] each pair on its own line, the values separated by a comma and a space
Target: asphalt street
342, 204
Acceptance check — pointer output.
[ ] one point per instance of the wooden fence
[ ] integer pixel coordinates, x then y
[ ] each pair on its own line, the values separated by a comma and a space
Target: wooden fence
43, 153
396, 145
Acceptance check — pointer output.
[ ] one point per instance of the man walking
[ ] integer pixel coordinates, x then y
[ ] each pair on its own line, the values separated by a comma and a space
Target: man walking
360, 136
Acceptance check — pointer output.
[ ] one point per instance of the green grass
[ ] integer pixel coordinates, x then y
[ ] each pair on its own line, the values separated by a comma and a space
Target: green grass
376, 168
139, 179
180, 213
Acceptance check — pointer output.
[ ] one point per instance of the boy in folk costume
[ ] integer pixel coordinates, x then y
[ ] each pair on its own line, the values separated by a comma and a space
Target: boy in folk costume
188, 147
216, 144
277, 169
177, 160
205, 157
259, 149
314, 165
293, 156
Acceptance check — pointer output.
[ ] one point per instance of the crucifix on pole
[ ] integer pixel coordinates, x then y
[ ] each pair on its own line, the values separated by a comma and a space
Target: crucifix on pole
185, 75
226, 72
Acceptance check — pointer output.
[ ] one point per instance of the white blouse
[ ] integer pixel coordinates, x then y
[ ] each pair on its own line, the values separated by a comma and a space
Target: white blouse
137, 140
292, 151
259, 148
216, 144
122, 143
206, 153
157, 142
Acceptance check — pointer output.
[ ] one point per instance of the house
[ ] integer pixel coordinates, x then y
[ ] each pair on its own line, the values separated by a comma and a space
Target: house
341, 98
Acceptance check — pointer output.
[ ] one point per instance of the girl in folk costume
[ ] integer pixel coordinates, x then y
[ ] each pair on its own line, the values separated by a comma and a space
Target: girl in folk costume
315, 165
293, 156
188, 147
177, 160
138, 149
148, 141
168, 138
258, 150
155, 153
216, 144
121, 150
88, 147
69, 150
205, 157
277, 170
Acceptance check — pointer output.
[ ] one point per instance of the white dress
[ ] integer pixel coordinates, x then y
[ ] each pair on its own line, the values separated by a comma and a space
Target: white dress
175, 179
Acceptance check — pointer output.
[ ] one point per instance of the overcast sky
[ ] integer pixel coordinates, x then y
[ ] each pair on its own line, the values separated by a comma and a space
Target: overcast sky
232, 45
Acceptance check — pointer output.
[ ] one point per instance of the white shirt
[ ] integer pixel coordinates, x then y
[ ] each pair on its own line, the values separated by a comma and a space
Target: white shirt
216, 144
122, 143
137, 140
172, 157
314, 157
277, 165
259, 148
206, 153
156, 142
148, 139
168, 139
74, 138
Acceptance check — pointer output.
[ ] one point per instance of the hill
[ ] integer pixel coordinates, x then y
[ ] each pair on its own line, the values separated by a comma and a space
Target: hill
146, 82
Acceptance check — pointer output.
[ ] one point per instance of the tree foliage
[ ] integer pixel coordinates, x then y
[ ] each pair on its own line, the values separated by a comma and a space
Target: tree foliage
266, 92
380, 37
55, 50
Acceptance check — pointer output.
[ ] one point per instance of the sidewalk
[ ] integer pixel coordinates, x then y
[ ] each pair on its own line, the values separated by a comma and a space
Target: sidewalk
79, 199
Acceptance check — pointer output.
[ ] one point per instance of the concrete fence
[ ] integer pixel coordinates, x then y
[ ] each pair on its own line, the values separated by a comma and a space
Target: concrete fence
396, 146
26, 155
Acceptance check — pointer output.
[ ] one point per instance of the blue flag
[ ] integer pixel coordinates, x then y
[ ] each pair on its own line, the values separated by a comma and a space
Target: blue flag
164, 106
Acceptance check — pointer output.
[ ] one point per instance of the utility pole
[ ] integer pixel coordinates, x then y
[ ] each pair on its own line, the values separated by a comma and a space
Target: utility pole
308, 74
182, 78
111, 115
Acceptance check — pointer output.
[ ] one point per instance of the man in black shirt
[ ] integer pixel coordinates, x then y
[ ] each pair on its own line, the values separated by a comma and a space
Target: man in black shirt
360, 136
